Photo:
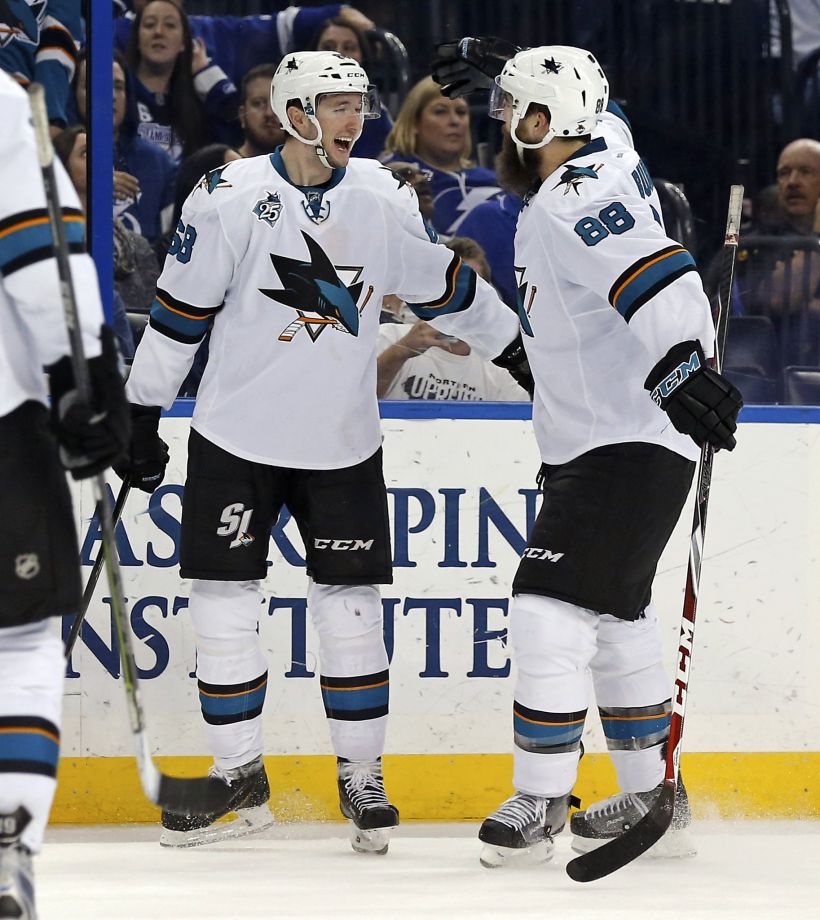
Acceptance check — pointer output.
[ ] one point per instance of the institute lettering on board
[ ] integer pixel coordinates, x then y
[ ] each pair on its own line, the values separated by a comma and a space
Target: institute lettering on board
433, 529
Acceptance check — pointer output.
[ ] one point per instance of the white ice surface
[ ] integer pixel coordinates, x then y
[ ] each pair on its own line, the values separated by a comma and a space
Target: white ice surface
753, 870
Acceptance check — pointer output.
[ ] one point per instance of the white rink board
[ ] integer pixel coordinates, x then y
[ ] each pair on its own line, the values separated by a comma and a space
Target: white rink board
465, 488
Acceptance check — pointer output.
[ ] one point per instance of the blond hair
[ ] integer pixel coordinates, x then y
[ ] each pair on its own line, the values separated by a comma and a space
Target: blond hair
403, 138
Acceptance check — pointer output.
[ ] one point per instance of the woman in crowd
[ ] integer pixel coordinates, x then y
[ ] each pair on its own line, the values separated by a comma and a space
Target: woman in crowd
71, 146
433, 132
183, 99
344, 37
144, 174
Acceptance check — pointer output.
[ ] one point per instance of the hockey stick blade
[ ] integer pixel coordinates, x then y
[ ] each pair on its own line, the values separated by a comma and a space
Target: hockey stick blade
619, 851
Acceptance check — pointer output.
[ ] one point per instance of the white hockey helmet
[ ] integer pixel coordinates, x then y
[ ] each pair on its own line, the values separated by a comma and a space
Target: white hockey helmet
569, 81
307, 75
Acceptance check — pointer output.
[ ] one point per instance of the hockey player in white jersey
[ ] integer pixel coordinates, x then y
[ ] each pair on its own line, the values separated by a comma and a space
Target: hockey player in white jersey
618, 333
287, 257
39, 557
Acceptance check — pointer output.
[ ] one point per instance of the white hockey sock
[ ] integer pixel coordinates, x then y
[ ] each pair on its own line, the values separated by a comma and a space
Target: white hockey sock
354, 668
553, 643
31, 687
632, 690
231, 668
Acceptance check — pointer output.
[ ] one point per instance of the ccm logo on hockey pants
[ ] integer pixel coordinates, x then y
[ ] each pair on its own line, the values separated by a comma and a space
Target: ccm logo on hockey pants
319, 543
535, 552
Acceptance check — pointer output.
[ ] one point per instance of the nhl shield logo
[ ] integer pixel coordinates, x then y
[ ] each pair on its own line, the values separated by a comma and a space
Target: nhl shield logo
27, 566
316, 208
268, 209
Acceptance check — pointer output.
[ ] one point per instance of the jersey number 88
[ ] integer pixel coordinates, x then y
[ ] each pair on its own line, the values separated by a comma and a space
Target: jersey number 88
614, 219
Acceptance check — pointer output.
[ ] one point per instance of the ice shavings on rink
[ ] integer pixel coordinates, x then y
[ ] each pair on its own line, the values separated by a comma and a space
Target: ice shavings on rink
745, 870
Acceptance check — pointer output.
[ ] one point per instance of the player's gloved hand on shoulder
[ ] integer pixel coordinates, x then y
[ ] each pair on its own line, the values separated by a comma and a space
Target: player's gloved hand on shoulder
148, 455
470, 64
90, 437
699, 401
514, 360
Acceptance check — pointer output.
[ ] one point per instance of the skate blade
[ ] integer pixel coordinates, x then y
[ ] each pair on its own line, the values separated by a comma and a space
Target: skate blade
673, 845
495, 857
248, 821
375, 841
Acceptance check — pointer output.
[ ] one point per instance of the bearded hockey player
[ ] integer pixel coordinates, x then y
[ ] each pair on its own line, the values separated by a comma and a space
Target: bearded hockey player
618, 333
286, 258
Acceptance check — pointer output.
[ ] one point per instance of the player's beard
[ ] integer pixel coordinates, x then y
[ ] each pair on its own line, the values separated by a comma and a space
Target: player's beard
516, 174
264, 143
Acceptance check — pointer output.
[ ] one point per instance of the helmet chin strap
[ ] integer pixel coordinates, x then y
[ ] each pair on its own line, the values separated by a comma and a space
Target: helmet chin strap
315, 142
521, 146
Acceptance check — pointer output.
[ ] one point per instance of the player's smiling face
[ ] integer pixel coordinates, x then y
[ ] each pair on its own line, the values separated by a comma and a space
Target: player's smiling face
341, 117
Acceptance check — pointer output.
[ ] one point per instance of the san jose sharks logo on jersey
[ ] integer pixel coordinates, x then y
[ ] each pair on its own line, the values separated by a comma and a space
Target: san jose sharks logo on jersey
525, 296
21, 20
573, 176
213, 180
315, 288
269, 208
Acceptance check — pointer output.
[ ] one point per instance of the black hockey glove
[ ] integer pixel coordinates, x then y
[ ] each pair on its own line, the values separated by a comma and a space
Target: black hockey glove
699, 401
471, 64
514, 360
148, 454
90, 437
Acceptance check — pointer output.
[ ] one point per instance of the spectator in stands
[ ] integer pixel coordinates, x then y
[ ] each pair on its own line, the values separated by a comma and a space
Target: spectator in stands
183, 98
71, 147
416, 361
144, 174
419, 179
492, 225
433, 132
778, 260
238, 43
774, 278
342, 36
261, 128
43, 48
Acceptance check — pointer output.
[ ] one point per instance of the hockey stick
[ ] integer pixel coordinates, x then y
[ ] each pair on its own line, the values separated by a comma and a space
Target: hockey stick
182, 796
94, 577
648, 831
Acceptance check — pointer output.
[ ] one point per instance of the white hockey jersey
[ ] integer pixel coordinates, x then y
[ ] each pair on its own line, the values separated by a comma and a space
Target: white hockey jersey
32, 322
292, 280
603, 295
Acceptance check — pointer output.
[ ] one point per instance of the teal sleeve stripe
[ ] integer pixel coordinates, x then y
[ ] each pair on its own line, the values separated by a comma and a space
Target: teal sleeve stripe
18, 244
458, 296
178, 326
650, 280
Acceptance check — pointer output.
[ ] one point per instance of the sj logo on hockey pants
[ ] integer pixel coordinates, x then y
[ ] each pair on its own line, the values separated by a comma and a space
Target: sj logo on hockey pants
235, 519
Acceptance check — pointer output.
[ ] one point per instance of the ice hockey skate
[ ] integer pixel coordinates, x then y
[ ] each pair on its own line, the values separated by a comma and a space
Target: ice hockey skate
363, 800
612, 817
522, 830
16, 874
249, 804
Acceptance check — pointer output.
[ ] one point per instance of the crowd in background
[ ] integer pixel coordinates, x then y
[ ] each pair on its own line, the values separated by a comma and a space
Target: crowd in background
191, 92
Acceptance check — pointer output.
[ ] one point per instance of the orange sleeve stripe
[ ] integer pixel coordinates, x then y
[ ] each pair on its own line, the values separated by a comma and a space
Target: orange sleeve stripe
643, 268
